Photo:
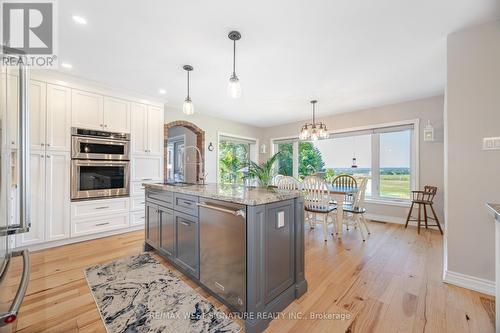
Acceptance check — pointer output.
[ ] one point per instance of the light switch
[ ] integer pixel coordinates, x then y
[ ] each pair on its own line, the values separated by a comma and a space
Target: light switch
491, 143
281, 219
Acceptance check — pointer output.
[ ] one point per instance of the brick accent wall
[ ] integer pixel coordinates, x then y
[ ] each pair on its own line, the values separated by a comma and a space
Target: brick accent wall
200, 143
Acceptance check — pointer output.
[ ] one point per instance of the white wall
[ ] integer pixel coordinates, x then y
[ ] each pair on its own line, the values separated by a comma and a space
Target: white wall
472, 175
212, 126
431, 153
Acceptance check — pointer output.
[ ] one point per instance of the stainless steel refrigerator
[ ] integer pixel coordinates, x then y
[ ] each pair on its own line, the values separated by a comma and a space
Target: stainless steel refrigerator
14, 188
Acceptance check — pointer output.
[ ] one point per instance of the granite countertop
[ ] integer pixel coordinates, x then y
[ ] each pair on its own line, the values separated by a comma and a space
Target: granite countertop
250, 196
495, 209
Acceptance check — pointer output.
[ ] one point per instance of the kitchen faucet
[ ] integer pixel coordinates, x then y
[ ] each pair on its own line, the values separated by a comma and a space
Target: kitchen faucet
200, 164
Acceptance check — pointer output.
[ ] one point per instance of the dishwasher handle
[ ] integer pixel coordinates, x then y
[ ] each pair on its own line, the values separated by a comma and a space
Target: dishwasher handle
239, 212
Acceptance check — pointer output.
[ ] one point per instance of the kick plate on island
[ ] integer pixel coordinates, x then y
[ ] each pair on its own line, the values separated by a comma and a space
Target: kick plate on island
243, 245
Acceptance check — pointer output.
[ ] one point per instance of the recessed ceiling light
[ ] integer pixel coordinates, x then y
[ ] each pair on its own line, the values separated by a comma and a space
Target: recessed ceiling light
79, 19
162, 91
66, 65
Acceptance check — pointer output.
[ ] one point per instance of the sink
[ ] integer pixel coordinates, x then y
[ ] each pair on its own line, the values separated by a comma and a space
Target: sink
180, 184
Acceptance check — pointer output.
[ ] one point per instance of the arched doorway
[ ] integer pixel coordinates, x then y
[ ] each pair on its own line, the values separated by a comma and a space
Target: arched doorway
200, 144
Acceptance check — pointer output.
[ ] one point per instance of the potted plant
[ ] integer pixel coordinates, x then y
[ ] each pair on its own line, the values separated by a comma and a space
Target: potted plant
263, 172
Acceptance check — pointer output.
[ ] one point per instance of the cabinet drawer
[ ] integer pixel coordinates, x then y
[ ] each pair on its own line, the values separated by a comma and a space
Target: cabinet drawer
186, 204
101, 224
187, 251
137, 218
137, 203
163, 198
137, 189
84, 209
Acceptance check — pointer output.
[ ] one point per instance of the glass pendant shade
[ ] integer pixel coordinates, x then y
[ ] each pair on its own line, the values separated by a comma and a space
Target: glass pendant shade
314, 131
234, 87
188, 107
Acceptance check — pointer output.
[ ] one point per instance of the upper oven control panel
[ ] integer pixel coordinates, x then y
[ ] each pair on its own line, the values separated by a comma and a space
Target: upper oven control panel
99, 134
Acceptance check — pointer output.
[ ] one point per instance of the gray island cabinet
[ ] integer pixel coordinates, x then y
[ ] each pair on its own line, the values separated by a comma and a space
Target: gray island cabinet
245, 246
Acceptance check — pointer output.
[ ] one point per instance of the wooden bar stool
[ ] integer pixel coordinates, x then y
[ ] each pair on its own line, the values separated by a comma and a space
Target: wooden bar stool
423, 199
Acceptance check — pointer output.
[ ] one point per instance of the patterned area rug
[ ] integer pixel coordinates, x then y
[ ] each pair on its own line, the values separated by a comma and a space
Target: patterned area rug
138, 294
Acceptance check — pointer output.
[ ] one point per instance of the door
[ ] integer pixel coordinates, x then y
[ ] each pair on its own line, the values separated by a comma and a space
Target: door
58, 118
38, 108
139, 128
36, 233
187, 245
87, 110
116, 115
167, 230
57, 195
152, 225
155, 130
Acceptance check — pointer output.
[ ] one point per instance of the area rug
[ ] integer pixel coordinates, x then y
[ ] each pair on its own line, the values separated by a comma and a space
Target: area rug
138, 294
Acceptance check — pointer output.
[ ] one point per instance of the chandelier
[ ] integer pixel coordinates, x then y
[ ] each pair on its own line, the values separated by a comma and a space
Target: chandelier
314, 131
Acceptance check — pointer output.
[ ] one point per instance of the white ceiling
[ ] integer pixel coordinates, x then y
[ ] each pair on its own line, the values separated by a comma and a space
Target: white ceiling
347, 54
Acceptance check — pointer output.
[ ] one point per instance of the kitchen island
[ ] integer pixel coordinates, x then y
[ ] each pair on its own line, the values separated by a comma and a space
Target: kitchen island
244, 245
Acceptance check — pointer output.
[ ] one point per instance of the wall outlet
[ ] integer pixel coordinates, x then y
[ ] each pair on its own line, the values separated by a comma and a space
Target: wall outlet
491, 143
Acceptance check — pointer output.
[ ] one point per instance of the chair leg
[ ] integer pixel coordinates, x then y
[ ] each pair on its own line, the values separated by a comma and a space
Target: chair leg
359, 227
364, 223
419, 217
425, 216
325, 227
436, 218
409, 215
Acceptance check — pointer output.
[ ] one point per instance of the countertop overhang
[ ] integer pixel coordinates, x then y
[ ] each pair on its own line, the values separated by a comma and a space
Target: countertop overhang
250, 196
495, 209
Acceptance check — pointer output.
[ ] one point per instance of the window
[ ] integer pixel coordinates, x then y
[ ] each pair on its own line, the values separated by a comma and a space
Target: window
234, 155
385, 155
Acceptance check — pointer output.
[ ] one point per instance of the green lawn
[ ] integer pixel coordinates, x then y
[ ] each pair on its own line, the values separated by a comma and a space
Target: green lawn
395, 186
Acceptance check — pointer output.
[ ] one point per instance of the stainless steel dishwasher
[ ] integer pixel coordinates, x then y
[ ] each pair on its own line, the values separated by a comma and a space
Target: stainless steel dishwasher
223, 250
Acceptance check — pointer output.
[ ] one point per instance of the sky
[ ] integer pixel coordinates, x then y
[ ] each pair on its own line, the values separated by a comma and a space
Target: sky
394, 150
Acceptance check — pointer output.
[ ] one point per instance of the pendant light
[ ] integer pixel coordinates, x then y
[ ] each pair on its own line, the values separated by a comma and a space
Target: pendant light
188, 107
314, 131
354, 160
234, 87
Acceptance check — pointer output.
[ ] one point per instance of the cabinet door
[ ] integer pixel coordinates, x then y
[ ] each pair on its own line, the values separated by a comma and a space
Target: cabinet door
146, 168
167, 230
152, 225
38, 107
187, 245
12, 110
116, 115
155, 130
58, 118
139, 128
37, 200
87, 110
57, 195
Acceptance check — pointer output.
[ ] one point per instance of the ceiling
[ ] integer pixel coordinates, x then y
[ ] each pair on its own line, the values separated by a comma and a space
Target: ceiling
347, 54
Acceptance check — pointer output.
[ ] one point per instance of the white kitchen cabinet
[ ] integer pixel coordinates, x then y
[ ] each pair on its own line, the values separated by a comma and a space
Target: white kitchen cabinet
155, 130
146, 168
147, 130
38, 108
139, 129
58, 130
57, 208
137, 218
36, 233
87, 110
116, 115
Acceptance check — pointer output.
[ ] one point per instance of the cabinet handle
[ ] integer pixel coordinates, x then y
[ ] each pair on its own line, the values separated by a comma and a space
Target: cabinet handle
12, 142
185, 223
42, 144
147, 178
48, 156
42, 156
102, 207
143, 202
105, 126
48, 144
99, 224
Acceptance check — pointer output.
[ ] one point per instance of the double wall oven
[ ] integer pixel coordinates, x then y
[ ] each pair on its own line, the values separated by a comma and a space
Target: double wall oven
100, 165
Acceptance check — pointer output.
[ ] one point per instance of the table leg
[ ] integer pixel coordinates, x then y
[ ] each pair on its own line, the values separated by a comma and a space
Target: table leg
340, 213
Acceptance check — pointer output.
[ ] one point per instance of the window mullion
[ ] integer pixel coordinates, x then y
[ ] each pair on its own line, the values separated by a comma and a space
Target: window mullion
376, 166
295, 161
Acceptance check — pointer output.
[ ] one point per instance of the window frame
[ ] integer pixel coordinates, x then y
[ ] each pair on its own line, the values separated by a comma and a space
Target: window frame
254, 148
375, 197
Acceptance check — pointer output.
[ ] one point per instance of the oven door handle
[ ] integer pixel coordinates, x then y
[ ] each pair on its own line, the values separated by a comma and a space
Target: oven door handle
11, 315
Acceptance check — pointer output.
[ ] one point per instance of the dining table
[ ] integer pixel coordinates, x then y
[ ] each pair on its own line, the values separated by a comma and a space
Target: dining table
338, 193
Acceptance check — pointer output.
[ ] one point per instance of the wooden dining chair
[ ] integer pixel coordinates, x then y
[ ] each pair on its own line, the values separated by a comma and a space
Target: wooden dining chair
276, 179
355, 212
346, 181
317, 201
423, 199
287, 183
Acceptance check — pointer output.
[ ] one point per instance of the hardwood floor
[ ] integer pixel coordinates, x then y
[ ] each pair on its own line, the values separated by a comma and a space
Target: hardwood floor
390, 283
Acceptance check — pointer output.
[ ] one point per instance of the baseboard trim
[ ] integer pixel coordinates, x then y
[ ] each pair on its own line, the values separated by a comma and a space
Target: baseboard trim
385, 218
470, 282
48, 245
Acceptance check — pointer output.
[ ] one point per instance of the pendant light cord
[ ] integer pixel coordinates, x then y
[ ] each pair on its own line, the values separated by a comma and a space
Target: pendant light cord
188, 84
234, 57
314, 114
